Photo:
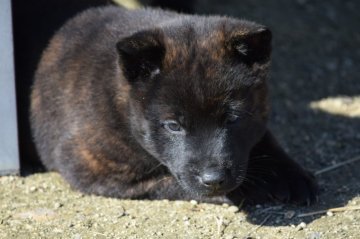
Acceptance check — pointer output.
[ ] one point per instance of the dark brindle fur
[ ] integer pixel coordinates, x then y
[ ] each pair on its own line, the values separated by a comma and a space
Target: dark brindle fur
155, 104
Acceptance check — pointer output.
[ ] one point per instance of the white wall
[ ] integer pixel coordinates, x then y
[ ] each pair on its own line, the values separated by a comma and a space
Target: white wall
9, 154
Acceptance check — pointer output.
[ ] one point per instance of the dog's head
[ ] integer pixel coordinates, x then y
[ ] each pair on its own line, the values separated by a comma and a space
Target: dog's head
198, 98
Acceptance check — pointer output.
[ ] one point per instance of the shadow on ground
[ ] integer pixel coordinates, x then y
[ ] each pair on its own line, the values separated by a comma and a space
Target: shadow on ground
323, 149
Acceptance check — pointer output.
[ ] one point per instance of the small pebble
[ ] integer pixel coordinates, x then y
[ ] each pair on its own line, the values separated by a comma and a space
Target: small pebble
193, 202
329, 213
58, 205
301, 226
225, 222
77, 236
11, 179
233, 209
289, 214
314, 235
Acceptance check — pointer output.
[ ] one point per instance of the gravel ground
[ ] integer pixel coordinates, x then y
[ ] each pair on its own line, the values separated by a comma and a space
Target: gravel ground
44, 206
316, 115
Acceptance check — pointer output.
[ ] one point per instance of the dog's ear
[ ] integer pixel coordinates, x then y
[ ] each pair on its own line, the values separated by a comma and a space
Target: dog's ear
251, 47
141, 54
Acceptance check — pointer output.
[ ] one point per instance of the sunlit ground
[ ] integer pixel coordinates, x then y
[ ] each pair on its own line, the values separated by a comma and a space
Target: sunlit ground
130, 4
340, 105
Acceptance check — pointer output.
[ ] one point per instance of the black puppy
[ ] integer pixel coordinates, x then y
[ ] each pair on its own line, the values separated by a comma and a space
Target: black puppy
155, 104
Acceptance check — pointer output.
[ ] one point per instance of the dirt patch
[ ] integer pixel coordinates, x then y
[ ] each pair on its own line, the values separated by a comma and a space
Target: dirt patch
43, 206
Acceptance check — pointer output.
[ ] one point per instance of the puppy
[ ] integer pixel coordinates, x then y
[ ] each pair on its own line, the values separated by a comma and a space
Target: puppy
153, 104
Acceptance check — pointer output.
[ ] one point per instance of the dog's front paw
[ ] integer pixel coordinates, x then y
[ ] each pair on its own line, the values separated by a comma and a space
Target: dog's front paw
287, 183
292, 185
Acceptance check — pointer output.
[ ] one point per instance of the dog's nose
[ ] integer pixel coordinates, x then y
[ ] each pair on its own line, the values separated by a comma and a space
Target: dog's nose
212, 178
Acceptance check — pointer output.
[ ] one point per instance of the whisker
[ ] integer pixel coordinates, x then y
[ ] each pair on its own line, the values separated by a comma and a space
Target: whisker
256, 179
259, 157
152, 169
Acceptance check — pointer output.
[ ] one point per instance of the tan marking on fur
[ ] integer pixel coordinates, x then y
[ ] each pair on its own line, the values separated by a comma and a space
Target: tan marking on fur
97, 162
168, 115
50, 56
123, 94
214, 45
210, 72
148, 186
239, 33
220, 98
91, 161
171, 52
35, 101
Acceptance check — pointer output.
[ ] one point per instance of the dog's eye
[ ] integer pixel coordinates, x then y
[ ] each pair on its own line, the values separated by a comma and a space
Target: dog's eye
173, 126
232, 119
